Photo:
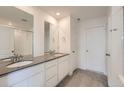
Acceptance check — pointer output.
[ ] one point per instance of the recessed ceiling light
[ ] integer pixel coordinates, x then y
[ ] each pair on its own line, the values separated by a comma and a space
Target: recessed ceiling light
57, 13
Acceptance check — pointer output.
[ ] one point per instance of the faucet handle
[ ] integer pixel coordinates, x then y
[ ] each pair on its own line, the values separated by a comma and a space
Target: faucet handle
14, 53
21, 57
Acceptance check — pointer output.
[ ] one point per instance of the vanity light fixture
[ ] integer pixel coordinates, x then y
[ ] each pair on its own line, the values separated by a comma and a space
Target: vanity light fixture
57, 13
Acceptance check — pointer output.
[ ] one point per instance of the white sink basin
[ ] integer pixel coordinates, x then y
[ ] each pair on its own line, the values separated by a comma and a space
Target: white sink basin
7, 60
19, 64
57, 55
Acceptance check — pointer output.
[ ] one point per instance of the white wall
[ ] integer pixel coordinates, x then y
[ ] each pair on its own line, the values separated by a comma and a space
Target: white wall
73, 42
74, 34
82, 37
39, 18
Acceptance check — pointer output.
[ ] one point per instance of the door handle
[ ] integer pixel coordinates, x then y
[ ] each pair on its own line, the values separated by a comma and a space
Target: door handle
108, 54
73, 51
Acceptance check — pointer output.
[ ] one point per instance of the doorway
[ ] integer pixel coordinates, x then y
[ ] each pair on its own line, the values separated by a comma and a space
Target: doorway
96, 49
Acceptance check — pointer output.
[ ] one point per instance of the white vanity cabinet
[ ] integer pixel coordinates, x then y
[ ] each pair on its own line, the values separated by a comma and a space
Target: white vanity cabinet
31, 76
56, 71
47, 74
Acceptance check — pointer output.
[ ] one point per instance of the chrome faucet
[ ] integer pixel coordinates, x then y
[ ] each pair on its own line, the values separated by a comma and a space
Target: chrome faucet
51, 51
16, 57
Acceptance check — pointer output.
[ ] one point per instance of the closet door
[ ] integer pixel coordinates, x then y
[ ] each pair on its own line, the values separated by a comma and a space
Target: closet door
96, 48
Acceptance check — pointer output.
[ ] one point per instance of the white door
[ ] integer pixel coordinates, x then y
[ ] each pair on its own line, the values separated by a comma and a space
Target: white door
96, 48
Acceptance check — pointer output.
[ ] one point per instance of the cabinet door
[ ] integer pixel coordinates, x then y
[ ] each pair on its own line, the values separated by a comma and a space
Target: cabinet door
51, 72
4, 82
72, 62
21, 84
63, 69
52, 82
36, 80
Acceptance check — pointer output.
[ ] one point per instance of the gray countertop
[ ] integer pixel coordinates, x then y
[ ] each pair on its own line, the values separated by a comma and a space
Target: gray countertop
36, 60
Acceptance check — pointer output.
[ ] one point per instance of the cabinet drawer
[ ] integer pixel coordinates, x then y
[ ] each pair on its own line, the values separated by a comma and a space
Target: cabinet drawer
4, 82
52, 82
63, 58
51, 72
50, 64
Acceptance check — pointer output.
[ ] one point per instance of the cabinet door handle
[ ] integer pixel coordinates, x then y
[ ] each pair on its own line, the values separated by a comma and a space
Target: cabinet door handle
115, 29
108, 54
73, 51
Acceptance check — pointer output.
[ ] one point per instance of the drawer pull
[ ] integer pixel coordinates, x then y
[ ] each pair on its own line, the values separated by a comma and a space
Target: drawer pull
108, 54
115, 29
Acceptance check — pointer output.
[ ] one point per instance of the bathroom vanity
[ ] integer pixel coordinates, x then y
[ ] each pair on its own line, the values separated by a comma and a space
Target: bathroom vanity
47, 70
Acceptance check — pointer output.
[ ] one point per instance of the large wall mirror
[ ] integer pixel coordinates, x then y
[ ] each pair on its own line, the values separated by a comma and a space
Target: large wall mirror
16, 32
51, 37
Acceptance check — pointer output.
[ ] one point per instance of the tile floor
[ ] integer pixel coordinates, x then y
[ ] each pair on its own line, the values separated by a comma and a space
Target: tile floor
84, 78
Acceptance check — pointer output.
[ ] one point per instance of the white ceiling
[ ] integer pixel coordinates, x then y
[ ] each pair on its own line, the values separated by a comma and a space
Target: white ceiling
83, 12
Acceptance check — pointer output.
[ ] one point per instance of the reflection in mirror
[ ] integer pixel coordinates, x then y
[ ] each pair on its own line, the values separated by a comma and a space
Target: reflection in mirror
46, 37
50, 38
16, 30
